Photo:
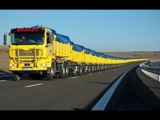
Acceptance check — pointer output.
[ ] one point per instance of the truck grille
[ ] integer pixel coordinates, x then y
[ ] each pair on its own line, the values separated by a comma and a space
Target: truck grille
27, 52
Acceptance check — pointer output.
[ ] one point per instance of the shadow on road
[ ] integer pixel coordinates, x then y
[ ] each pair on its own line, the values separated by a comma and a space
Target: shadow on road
90, 106
77, 109
4, 75
133, 95
4, 72
99, 82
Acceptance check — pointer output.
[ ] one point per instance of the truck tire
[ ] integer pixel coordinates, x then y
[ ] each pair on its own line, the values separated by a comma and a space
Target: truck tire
80, 70
62, 73
15, 77
75, 71
66, 70
50, 72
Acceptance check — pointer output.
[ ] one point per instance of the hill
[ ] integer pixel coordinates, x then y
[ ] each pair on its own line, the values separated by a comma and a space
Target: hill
152, 55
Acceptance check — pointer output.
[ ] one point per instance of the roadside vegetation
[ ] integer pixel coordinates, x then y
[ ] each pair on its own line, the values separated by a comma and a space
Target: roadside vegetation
2, 50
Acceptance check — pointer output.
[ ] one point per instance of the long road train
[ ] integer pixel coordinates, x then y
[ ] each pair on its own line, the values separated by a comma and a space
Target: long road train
41, 51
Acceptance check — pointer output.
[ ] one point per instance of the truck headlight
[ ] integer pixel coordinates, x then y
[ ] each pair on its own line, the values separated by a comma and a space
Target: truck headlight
11, 65
43, 65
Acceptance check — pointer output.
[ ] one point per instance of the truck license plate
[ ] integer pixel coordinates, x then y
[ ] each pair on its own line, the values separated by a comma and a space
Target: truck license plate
27, 68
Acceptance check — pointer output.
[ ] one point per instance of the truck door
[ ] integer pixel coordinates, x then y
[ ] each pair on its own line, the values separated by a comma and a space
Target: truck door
49, 42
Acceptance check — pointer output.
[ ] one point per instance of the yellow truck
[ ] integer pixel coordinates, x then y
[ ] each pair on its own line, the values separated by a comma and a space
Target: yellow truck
42, 52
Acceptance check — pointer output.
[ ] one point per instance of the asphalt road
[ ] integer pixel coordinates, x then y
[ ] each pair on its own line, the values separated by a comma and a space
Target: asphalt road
73, 93
136, 92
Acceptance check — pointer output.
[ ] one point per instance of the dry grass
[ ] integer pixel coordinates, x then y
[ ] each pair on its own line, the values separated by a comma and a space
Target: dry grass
4, 58
4, 48
151, 55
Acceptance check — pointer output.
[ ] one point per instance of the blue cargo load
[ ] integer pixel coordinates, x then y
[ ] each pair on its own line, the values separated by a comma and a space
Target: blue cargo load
71, 43
111, 57
63, 38
106, 56
53, 31
87, 50
77, 47
103, 55
98, 54
94, 53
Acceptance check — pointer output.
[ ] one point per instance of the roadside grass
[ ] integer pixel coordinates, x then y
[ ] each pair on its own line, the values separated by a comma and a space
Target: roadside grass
2, 50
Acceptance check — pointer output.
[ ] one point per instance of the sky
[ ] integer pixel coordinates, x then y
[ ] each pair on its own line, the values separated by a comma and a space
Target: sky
100, 30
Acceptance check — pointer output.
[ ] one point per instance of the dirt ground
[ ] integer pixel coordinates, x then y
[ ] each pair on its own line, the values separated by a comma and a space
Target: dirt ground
4, 61
4, 58
151, 55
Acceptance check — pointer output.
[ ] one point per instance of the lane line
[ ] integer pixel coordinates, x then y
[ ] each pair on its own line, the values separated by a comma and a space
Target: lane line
102, 103
34, 85
90, 74
3, 80
73, 77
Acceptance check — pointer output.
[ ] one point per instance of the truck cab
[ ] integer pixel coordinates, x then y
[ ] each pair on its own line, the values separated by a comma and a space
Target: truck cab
30, 50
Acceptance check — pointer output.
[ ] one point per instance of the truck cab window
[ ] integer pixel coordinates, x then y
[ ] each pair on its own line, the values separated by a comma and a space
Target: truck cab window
29, 38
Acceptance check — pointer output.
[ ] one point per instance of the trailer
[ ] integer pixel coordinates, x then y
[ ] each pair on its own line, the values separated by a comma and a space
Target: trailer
42, 52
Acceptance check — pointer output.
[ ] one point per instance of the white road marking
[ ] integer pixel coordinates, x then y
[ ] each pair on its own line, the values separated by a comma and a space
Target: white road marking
34, 85
3, 80
90, 74
99, 72
102, 103
73, 77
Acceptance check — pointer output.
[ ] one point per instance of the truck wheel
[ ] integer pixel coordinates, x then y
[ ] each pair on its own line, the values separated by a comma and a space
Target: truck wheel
85, 70
75, 71
80, 70
50, 73
15, 77
66, 70
62, 73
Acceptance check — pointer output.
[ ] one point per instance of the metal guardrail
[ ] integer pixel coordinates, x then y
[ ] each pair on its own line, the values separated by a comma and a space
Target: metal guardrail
153, 72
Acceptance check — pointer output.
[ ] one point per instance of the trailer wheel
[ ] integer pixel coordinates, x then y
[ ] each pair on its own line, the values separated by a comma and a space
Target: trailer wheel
80, 70
89, 69
75, 71
66, 70
62, 73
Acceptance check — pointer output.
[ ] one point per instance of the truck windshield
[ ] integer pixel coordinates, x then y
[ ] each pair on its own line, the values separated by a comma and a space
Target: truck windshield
35, 38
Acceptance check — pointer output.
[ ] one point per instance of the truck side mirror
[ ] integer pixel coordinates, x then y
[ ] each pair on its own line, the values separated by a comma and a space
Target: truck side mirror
5, 39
